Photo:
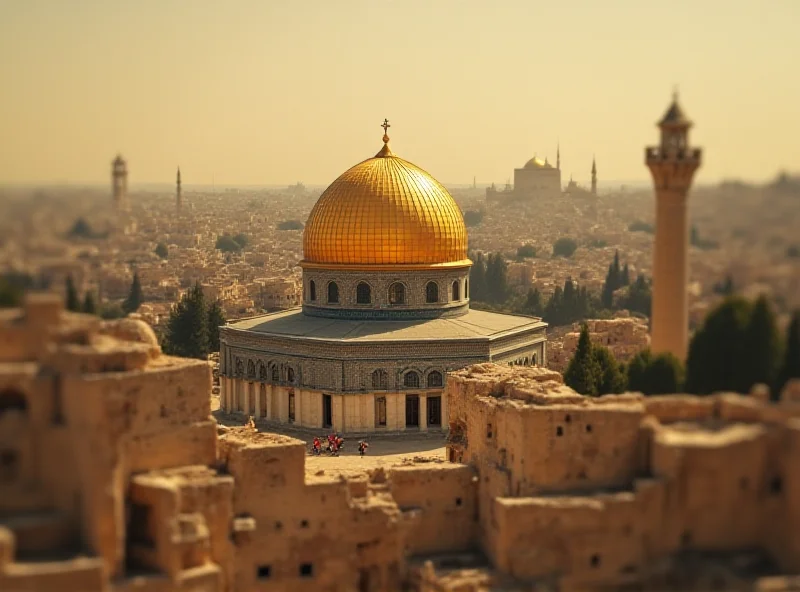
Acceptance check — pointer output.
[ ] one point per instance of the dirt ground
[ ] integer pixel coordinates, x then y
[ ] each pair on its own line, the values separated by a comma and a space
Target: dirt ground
382, 452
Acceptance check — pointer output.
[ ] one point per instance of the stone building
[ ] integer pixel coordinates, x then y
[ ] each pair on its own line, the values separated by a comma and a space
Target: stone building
114, 477
385, 312
537, 179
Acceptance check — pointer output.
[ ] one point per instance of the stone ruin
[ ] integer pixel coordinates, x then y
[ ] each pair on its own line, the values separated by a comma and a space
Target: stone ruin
624, 336
115, 477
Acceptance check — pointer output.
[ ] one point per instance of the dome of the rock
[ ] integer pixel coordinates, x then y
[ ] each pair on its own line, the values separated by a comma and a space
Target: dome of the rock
385, 211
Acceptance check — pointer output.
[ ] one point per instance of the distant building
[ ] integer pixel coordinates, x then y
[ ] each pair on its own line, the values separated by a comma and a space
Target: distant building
119, 182
537, 179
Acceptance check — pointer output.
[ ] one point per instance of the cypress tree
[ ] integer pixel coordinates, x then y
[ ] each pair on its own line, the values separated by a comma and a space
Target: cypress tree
73, 303
762, 347
187, 328
135, 296
583, 369
533, 303
626, 276
716, 351
216, 318
609, 377
790, 368
89, 306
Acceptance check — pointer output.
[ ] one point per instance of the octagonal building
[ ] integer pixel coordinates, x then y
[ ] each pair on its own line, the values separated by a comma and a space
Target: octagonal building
385, 313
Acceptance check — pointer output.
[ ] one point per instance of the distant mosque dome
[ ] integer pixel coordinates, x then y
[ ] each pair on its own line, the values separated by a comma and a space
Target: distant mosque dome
385, 211
537, 163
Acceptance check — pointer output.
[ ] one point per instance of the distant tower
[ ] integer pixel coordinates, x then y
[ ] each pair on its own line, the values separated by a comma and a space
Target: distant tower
672, 165
558, 156
119, 182
178, 197
594, 177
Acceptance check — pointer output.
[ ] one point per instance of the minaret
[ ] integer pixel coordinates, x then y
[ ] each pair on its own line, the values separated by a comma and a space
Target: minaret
594, 176
558, 156
119, 183
178, 198
672, 164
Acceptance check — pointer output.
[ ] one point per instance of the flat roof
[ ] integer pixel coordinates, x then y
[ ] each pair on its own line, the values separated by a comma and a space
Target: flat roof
476, 324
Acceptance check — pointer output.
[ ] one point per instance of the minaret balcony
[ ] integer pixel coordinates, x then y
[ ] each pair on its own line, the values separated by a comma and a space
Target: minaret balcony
655, 154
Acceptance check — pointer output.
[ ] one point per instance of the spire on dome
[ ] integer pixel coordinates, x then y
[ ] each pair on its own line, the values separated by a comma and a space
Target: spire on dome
674, 117
385, 151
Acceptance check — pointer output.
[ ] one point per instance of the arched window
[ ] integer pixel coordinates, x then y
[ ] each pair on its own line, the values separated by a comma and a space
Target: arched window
411, 379
456, 290
262, 371
363, 293
466, 288
434, 379
432, 292
312, 288
333, 293
251, 369
290, 375
380, 379
397, 293
239, 367
275, 373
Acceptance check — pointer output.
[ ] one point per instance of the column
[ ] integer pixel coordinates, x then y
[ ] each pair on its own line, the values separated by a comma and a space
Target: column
423, 413
246, 402
257, 400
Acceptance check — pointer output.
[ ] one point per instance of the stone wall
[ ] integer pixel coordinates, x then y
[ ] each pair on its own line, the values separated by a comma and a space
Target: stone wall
598, 489
625, 337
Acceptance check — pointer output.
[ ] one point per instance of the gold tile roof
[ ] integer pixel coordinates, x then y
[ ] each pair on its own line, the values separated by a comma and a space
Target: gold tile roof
385, 211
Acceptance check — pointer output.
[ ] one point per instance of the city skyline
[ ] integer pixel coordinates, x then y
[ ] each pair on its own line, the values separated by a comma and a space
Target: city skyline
259, 94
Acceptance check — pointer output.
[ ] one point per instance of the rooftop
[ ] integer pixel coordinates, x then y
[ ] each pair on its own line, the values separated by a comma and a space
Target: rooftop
476, 324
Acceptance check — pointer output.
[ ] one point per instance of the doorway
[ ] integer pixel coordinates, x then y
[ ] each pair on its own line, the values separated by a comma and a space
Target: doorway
435, 412
412, 411
327, 411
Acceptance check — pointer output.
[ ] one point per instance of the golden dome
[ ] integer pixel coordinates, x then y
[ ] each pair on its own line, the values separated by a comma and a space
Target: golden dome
385, 211
536, 163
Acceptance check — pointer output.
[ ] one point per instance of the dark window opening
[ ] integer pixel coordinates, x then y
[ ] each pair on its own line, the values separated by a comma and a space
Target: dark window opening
456, 290
434, 412
278, 525
589, 428
363, 293
290, 375
333, 293
567, 418
306, 570
458, 501
595, 560
380, 411
312, 288
139, 525
397, 293
275, 374
411, 379
435, 379
12, 400
776, 485
304, 524
291, 407
488, 431
380, 379
264, 572
9, 465
327, 411
559, 431
432, 293
412, 411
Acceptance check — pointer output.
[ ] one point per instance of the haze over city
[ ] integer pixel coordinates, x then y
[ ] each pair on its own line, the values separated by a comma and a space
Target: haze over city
260, 93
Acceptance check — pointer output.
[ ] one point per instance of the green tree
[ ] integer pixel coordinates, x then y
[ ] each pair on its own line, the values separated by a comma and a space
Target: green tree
790, 368
89, 306
162, 250
477, 278
526, 252
241, 240
187, 328
81, 229
135, 296
497, 279
655, 375
73, 302
473, 218
609, 378
216, 318
290, 225
716, 351
12, 289
583, 369
640, 296
640, 226
564, 247
533, 303
762, 347
112, 311
226, 244
626, 275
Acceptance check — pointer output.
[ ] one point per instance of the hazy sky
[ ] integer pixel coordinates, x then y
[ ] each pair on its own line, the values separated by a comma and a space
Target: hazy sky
269, 91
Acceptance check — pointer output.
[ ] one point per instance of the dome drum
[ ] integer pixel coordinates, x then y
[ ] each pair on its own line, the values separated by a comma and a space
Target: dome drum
383, 295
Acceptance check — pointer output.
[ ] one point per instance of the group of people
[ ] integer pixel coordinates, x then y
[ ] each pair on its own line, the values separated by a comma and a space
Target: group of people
334, 445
